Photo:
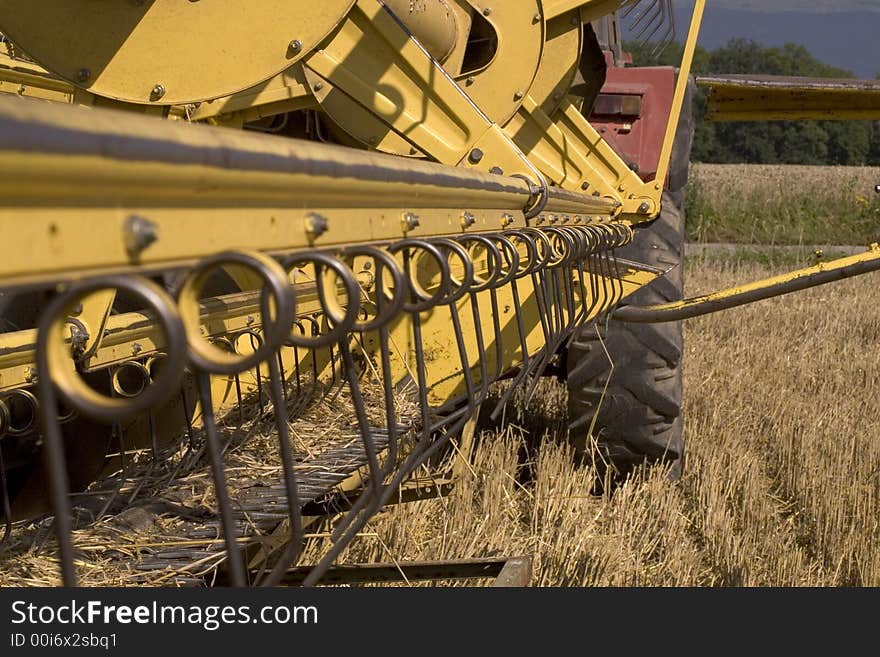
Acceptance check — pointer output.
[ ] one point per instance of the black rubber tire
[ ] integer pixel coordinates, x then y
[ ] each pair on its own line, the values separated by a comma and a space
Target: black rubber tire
638, 415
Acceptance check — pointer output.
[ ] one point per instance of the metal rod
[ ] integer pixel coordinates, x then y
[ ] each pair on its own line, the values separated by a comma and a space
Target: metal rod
767, 288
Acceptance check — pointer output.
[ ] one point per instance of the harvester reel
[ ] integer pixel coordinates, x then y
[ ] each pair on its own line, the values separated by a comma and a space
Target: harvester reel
169, 52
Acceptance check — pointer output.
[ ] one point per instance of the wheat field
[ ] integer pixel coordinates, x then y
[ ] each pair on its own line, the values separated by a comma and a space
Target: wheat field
770, 204
782, 484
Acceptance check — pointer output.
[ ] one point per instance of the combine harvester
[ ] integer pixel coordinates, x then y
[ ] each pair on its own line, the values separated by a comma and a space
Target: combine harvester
216, 212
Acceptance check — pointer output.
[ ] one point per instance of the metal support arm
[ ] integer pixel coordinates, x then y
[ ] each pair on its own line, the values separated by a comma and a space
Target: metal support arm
802, 279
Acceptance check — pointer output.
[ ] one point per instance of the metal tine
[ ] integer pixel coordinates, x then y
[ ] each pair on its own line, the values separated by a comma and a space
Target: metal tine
451, 298
294, 508
316, 330
80, 397
507, 254
631, 7
207, 359
257, 342
386, 309
464, 287
116, 390
539, 275
218, 472
535, 263
480, 284
419, 302
554, 268
659, 22
668, 36
338, 332
535, 273
414, 460
649, 23
514, 289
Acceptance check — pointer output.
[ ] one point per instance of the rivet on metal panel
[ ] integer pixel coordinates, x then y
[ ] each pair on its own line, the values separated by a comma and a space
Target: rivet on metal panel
83, 74
295, 46
316, 224
468, 220
487, 11
157, 92
138, 233
475, 156
409, 221
506, 220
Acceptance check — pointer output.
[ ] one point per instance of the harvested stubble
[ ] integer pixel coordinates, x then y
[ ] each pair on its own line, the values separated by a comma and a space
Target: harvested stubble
783, 472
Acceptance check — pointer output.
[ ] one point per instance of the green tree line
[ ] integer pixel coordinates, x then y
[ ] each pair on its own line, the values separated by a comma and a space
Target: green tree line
771, 142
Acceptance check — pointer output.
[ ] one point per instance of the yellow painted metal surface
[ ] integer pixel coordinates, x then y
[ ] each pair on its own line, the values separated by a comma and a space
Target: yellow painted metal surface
134, 51
772, 98
690, 47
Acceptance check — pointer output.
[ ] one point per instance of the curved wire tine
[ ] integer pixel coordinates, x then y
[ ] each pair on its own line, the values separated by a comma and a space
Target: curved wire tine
358, 516
208, 359
343, 318
507, 254
55, 375
294, 507
387, 308
464, 286
514, 291
415, 307
493, 261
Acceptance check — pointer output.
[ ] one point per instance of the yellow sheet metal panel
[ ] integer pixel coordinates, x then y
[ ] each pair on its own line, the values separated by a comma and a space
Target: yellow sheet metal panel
168, 51
772, 98
499, 87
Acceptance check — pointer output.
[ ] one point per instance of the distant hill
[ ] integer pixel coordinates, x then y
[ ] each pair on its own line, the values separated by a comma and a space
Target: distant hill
840, 33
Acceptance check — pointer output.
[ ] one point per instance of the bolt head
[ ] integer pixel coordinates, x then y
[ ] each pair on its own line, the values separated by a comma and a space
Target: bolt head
316, 224
519, 95
295, 46
318, 86
468, 220
410, 221
139, 233
506, 220
487, 11
475, 156
644, 207
157, 92
83, 74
